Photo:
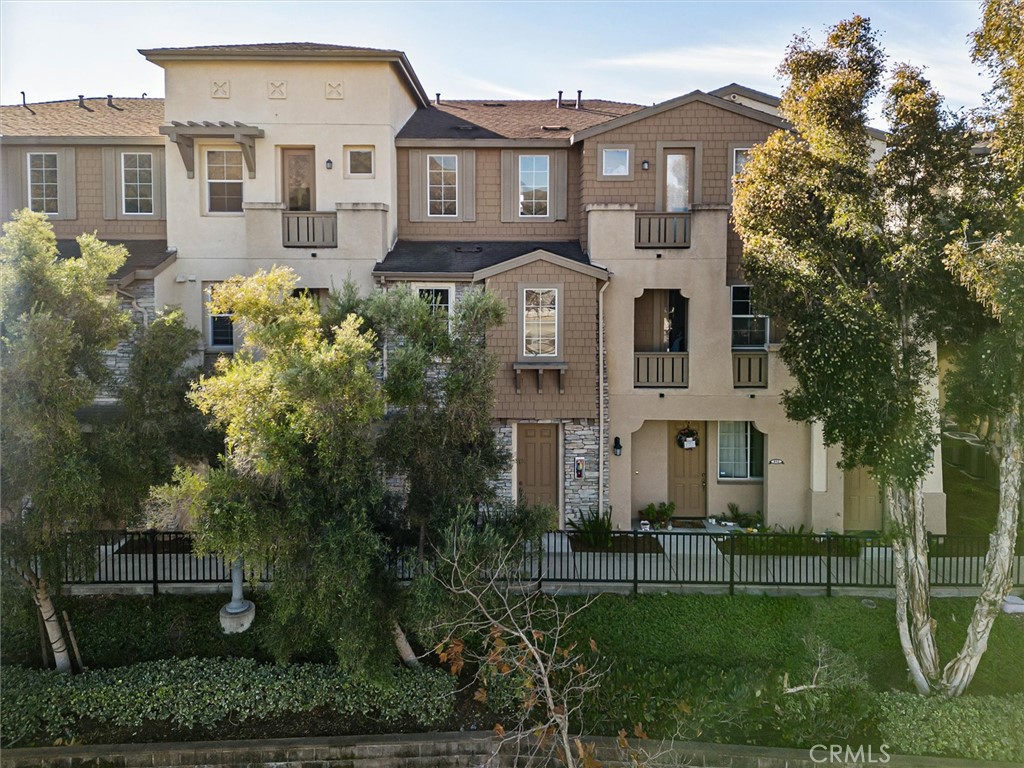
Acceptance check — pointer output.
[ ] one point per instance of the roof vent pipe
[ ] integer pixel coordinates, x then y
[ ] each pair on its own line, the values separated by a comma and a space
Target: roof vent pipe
24, 103
579, 99
437, 98
558, 101
110, 100
81, 100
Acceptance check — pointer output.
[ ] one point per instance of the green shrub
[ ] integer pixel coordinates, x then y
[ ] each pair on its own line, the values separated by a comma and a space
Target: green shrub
593, 528
969, 727
42, 706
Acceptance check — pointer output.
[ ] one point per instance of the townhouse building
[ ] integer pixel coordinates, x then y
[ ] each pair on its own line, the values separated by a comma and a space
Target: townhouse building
634, 366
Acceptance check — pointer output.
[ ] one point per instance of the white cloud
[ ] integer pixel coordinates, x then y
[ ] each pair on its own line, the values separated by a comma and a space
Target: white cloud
706, 59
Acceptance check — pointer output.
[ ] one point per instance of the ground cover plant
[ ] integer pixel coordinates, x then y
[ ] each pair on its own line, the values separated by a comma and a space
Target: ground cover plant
709, 667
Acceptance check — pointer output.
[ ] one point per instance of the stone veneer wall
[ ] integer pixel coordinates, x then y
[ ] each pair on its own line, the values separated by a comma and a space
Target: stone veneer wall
581, 440
119, 358
503, 487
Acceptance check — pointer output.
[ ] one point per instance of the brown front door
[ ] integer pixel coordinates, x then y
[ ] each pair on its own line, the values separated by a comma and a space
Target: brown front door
299, 179
537, 455
687, 470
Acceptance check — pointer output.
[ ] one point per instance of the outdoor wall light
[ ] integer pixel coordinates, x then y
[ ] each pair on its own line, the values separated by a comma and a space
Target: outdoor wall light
645, 165
617, 446
329, 164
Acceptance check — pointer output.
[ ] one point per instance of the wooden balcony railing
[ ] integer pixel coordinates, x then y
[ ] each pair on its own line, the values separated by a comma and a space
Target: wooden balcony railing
309, 229
663, 230
661, 369
750, 369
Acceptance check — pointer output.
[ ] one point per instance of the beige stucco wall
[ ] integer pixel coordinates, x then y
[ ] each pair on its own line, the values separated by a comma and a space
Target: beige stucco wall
374, 107
639, 416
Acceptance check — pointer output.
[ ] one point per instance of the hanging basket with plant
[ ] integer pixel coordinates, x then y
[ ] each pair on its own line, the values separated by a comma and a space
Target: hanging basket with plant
687, 438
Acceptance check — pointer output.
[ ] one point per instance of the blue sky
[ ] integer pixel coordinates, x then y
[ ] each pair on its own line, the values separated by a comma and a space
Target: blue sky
642, 52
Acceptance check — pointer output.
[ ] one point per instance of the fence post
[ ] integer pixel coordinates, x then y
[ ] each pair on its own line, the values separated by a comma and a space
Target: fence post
732, 562
636, 570
538, 553
828, 563
151, 535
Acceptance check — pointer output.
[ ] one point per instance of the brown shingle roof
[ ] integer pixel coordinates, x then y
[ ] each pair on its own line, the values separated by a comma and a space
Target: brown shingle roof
266, 48
501, 119
128, 117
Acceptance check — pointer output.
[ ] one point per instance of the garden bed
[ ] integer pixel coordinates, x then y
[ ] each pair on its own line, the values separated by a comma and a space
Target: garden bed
645, 544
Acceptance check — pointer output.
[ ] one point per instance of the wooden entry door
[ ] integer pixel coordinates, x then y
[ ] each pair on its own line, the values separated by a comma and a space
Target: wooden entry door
537, 456
862, 504
687, 471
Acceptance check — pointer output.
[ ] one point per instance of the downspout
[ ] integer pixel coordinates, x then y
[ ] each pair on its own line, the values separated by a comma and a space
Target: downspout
136, 306
600, 398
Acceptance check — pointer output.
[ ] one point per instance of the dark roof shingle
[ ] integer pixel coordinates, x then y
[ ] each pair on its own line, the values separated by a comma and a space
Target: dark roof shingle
142, 254
501, 119
418, 257
127, 117
266, 48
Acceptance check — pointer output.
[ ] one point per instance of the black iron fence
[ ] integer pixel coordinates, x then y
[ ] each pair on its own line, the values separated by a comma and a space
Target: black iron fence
632, 558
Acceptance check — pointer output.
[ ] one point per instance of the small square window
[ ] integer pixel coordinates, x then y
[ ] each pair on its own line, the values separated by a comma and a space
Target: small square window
615, 162
359, 161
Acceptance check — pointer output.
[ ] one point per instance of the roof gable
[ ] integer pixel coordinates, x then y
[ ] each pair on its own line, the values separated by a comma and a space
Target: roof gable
541, 255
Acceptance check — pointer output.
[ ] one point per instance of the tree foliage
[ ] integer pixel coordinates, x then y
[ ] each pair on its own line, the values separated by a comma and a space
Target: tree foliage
845, 247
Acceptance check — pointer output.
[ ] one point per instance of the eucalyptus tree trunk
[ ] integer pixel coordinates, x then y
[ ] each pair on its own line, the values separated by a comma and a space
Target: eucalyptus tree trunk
995, 579
42, 599
910, 560
405, 650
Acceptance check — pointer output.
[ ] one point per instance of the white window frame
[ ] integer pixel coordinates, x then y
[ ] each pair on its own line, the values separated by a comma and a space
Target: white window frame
210, 343
56, 183
527, 355
735, 156
454, 187
627, 171
418, 288
349, 173
753, 316
207, 180
152, 185
548, 203
746, 450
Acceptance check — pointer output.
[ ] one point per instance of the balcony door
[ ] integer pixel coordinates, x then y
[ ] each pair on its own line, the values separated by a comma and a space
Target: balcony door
687, 469
299, 178
678, 190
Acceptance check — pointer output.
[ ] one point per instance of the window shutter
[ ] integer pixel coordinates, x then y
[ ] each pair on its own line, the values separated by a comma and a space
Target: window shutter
159, 203
417, 185
110, 183
66, 189
467, 194
508, 186
561, 184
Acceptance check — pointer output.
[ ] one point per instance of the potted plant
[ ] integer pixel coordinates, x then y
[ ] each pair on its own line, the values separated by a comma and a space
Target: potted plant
658, 514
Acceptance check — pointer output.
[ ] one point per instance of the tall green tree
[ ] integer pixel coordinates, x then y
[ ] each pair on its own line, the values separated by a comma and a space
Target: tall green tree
848, 253
58, 319
439, 381
299, 404
987, 380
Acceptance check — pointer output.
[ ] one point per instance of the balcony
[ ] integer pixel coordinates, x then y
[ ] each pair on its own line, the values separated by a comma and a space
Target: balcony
750, 370
309, 229
661, 369
662, 230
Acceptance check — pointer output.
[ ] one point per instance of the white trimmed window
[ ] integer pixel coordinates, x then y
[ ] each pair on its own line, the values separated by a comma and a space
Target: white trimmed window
443, 185
534, 185
540, 322
740, 158
438, 296
137, 182
615, 161
221, 327
740, 451
749, 330
224, 180
43, 192
359, 162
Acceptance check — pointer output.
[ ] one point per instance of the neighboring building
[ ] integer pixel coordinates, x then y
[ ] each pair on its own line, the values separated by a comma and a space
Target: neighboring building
633, 366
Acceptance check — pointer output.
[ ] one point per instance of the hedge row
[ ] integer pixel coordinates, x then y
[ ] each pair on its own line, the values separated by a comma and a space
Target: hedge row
969, 727
42, 706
